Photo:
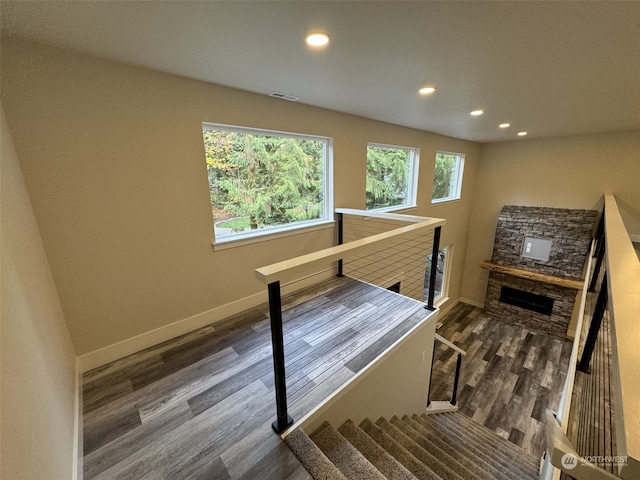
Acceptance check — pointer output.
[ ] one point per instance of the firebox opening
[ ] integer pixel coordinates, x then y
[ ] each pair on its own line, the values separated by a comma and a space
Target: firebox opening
528, 300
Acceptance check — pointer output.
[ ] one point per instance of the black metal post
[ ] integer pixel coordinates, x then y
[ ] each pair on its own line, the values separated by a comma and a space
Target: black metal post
594, 328
600, 234
598, 266
433, 356
434, 268
340, 241
277, 340
454, 395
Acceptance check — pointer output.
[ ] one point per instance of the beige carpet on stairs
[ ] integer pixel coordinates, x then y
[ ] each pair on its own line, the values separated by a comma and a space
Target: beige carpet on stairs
447, 446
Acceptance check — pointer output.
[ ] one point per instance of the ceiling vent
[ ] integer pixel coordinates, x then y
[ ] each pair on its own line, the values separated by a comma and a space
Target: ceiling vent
284, 96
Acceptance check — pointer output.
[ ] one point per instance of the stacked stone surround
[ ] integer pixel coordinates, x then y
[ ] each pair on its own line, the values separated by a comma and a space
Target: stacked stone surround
570, 232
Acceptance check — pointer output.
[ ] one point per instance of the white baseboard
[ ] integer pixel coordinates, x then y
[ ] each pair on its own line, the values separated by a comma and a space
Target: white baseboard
635, 238
132, 345
449, 306
468, 301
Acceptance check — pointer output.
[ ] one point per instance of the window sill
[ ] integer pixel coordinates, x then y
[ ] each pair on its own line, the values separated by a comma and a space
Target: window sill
271, 235
445, 200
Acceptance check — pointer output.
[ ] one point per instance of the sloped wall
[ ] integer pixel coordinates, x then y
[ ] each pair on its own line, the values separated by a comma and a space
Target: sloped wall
39, 384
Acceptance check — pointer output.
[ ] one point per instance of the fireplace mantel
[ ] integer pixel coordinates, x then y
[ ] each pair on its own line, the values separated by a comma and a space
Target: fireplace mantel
539, 277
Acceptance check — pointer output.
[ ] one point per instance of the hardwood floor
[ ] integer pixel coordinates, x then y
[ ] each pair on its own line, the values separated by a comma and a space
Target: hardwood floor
201, 406
509, 376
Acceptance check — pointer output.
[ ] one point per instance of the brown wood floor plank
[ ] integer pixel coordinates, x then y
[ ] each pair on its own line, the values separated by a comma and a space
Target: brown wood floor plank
509, 376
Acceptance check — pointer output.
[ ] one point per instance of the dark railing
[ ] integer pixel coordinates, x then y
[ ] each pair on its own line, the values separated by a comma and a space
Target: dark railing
599, 254
594, 328
456, 378
272, 275
283, 419
434, 269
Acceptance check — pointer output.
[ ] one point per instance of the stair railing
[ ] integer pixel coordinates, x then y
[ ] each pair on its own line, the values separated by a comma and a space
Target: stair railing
562, 415
277, 275
621, 298
563, 455
460, 353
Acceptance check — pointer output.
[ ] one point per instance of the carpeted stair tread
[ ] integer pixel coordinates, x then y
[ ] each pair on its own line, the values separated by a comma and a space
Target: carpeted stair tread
499, 441
435, 444
447, 472
472, 429
488, 462
457, 435
316, 462
345, 456
400, 453
483, 442
378, 456
449, 446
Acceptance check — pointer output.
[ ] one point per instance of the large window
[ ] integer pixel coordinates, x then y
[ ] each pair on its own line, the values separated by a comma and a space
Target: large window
263, 181
447, 180
392, 175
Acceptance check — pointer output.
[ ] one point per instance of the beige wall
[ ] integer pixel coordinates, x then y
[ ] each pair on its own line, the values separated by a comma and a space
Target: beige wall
568, 172
38, 385
113, 159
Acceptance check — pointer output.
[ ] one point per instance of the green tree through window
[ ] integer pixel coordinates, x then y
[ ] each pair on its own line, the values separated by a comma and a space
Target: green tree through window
390, 177
447, 179
265, 180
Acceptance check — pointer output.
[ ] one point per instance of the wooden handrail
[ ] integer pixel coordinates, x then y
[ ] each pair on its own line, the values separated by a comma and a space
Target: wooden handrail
623, 273
384, 215
538, 277
564, 456
441, 339
291, 269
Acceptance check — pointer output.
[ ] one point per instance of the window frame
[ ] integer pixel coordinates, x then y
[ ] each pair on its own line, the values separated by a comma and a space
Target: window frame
412, 177
303, 226
457, 176
446, 276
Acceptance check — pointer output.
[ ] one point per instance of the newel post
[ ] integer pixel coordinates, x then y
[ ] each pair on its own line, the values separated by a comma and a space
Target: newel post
277, 340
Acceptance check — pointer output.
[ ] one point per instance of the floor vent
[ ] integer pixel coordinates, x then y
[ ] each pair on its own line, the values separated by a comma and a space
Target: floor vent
527, 300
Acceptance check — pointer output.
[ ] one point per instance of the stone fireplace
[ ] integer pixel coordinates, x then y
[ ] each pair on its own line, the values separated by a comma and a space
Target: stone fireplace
537, 266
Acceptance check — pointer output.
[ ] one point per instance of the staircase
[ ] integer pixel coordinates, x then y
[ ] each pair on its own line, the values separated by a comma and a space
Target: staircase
439, 446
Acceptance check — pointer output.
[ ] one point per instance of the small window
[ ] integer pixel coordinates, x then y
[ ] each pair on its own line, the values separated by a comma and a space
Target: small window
447, 180
442, 280
392, 176
263, 181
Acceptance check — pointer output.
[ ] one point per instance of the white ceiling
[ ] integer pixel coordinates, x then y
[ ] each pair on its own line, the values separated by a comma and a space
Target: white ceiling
550, 68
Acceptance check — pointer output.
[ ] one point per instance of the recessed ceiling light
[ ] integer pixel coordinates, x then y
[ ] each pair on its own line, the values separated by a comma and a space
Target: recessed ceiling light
504, 125
522, 134
426, 90
477, 113
317, 39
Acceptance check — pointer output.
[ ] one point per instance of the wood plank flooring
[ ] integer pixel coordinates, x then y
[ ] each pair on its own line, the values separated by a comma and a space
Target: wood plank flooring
509, 376
201, 406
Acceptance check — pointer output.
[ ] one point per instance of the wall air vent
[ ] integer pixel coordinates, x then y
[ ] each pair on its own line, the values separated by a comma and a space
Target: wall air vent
284, 96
